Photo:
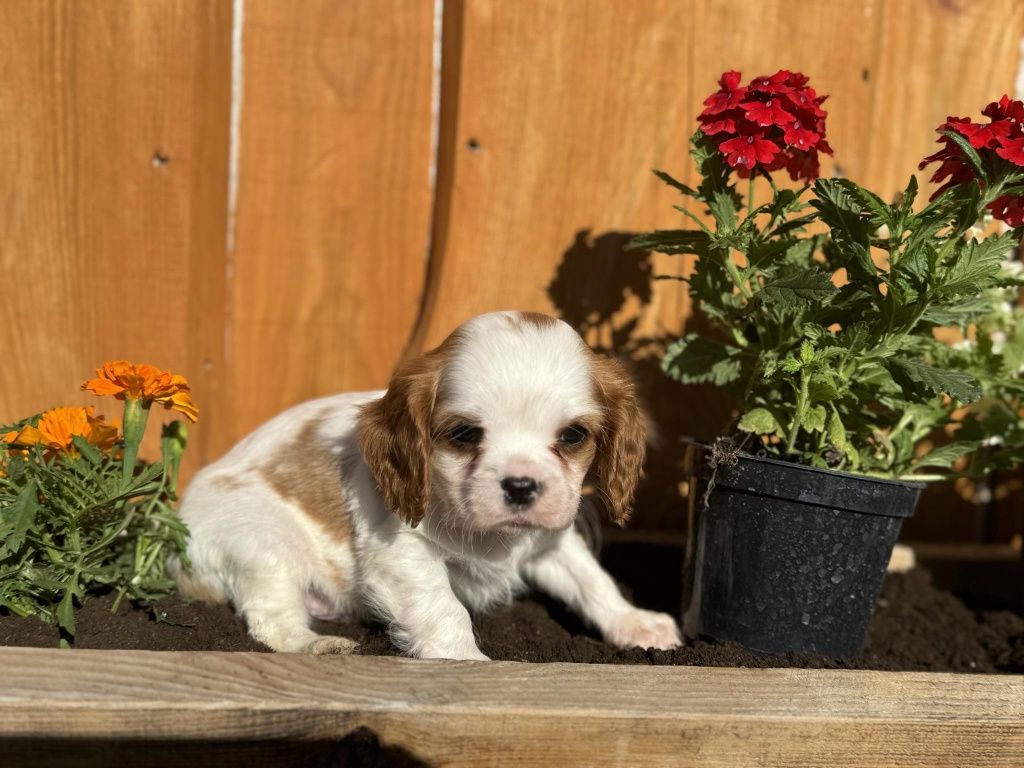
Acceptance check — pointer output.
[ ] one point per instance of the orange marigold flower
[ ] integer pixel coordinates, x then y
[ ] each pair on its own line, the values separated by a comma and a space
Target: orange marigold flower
125, 380
57, 426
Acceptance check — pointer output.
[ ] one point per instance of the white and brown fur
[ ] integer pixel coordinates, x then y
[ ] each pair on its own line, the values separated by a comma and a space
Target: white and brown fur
372, 503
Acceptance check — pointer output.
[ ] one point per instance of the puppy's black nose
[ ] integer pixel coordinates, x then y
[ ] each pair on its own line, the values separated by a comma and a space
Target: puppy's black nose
520, 491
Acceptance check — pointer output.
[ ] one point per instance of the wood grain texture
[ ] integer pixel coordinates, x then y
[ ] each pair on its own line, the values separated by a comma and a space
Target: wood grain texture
333, 200
112, 189
500, 713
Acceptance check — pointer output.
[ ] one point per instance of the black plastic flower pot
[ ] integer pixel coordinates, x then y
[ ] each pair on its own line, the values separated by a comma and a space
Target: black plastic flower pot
783, 557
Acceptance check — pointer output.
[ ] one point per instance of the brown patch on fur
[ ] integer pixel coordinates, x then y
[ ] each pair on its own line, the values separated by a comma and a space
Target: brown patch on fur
537, 319
308, 475
226, 483
621, 443
396, 433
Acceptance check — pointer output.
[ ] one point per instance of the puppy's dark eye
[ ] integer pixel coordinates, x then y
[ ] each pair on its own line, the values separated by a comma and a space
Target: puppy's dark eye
466, 434
573, 435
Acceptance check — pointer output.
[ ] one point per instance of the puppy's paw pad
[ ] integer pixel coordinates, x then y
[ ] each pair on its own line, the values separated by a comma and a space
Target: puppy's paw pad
645, 629
333, 646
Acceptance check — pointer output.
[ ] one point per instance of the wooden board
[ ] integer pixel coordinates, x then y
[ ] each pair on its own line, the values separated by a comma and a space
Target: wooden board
501, 713
113, 179
334, 196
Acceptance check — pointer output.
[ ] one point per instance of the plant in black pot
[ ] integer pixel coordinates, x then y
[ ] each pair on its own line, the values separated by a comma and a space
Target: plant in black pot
833, 318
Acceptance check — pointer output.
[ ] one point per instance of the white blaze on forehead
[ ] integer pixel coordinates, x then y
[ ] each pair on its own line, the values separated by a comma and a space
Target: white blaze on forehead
516, 367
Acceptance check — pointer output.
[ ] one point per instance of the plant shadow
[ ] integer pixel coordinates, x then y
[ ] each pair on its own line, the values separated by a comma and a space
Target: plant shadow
610, 295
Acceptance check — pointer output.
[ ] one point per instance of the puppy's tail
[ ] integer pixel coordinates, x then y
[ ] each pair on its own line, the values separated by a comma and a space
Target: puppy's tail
191, 587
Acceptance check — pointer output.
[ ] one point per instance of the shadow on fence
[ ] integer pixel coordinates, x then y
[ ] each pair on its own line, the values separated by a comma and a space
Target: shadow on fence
604, 291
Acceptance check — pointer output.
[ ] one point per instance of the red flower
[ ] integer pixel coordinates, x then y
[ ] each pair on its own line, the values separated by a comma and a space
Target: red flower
800, 137
773, 122
1012, 150
769, 112
983, 135
748, 150
1008, 208
728, 97
1000, 139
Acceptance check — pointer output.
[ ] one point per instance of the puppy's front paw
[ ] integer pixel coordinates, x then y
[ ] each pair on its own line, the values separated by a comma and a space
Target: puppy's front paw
644, 629
330, 645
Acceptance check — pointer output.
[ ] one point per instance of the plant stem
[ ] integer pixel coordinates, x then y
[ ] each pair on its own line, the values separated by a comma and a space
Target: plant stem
798, 417
737, 278
750, 192
136, 412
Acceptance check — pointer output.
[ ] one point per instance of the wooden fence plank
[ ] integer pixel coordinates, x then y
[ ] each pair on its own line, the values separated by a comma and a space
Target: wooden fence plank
333, 200
111, 192
499, 713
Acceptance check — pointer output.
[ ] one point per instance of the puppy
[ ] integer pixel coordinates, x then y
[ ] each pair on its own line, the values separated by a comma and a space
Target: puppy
451, 492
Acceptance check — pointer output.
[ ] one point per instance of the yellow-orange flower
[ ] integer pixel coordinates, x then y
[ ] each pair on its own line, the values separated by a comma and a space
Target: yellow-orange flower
57, 426
125, 380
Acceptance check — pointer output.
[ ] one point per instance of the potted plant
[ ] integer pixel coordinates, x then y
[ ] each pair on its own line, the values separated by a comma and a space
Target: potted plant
831, 316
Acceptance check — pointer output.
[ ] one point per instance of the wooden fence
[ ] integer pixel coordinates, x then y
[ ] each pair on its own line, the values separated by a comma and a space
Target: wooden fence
280, 199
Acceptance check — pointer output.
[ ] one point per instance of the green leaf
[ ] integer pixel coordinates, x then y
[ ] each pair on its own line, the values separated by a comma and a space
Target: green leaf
66, 612
723, 208
811, 286
850, 232
881, 213
972, 154
89, 452
814, 418
671, 241
957, 384
945, 456
695, 360
760, 421
689, 191
976, 264
836, 431
806, 353
19, 518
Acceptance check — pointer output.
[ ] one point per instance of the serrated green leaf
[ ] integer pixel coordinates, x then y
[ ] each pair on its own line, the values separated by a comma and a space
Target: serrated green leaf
957, 384
811, 286
686, 190
759, 421
723, 207
19, 518
814, 418
790, 365
970, 152
806, 353
671, 241
945, 456
976, 264
881, 213
89, 452
696, 360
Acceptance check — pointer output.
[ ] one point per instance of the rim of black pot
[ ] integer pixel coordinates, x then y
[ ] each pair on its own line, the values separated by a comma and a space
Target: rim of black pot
806, 468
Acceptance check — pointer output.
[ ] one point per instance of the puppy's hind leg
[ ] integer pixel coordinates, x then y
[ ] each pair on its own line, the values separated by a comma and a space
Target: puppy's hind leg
274, 609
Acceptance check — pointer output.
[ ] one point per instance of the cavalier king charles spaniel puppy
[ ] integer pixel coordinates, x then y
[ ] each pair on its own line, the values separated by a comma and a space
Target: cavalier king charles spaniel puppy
451, 492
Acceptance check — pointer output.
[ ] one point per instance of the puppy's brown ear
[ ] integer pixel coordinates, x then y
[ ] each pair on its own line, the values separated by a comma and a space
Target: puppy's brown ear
621, 443
395, 439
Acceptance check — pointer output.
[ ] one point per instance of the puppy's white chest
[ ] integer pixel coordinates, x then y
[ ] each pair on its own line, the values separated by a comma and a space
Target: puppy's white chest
482, 584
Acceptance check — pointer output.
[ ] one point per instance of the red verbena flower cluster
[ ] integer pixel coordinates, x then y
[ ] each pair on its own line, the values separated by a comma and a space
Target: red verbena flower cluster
770, 123
1002, 136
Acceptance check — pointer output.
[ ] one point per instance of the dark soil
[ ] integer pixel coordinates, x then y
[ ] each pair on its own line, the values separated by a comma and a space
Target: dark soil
916, 627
